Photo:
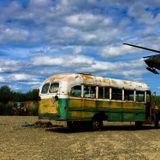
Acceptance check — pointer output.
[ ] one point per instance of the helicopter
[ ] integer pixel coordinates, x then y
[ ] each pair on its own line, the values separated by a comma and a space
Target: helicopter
153, 61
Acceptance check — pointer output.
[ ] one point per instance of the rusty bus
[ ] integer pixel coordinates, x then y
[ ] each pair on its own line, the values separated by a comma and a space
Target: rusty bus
79, 98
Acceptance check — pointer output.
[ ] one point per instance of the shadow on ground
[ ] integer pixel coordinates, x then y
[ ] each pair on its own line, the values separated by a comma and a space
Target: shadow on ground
61, 129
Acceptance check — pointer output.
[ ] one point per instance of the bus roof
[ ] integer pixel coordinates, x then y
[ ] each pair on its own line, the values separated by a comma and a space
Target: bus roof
100, 81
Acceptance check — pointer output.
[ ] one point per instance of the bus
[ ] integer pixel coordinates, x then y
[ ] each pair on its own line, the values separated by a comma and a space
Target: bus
80, 98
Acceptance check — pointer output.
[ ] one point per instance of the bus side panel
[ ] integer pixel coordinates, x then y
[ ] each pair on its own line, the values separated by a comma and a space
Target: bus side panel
62, 109
122, 111
112, 109
83, 109
134, 111
48, 109
80, 109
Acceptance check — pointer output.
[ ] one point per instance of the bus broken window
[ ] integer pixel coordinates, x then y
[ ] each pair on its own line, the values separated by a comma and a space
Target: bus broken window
129, 95
89, 91
45, 88
54, 88
76, 91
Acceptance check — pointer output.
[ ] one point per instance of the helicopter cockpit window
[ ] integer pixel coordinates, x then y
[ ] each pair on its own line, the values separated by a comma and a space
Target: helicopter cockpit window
45, 88
54, 88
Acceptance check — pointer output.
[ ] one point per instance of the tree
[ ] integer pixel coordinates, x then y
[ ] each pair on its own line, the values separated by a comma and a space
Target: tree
5, 94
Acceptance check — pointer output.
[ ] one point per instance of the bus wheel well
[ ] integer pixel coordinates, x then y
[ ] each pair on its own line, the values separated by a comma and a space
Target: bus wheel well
100, 116
97, 121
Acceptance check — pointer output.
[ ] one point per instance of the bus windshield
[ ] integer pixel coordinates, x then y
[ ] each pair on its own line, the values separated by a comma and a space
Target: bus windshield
54, 88
45, 88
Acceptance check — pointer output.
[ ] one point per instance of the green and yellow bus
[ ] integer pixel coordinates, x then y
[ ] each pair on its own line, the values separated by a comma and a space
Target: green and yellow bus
77, 98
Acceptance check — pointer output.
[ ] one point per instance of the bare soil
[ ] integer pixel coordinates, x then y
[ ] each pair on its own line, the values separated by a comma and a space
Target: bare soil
117, 141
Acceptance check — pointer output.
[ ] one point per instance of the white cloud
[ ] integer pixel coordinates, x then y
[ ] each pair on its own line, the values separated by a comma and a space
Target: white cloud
87, 21
2, 79
80, 63
139, 10
133, 72
40, 3
8, 66
46, 60
78, 50
21, 77
62, 60
12, 34
117, 51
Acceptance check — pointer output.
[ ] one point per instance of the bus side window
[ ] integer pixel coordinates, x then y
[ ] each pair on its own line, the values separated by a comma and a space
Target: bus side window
139, 96
128, 95
101, 92
116, 94
148, 98
106, 96
76, 91
54, 88
45, 88
89, 92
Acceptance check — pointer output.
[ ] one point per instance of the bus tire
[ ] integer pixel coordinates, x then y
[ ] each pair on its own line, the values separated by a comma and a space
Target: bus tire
97, 124
156, 120
71, 125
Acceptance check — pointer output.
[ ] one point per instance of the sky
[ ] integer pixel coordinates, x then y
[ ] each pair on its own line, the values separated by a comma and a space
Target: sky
40, 38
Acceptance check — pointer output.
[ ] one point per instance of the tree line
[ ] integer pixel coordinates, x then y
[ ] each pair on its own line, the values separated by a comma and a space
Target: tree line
17, 103
7, 95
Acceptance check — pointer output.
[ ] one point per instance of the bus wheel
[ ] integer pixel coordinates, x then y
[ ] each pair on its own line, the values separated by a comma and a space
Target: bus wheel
138, 124
72, 124
97, 124
156, 120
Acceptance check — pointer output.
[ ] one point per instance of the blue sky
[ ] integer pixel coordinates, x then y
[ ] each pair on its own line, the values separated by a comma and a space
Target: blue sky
39, 38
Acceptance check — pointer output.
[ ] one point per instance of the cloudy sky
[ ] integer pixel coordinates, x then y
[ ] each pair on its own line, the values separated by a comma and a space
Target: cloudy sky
39, 38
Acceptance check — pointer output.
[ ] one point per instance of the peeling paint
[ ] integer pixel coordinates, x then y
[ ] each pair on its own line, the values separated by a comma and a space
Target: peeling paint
90, 79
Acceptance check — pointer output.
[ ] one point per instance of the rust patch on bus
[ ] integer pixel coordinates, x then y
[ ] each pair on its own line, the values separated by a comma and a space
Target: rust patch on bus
47, 106
91, 79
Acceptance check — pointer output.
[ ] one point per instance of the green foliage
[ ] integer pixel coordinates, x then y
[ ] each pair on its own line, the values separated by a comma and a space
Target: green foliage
31, 107
6, 109
158, 101
5, 94
28, 102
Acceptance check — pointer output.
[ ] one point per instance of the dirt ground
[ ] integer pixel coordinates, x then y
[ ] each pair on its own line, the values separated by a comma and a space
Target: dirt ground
117, 141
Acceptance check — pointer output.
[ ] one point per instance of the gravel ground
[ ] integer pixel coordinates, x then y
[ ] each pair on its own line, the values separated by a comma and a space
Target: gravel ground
117, 141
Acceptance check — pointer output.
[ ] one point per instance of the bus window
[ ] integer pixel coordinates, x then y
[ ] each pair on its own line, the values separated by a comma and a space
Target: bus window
139, 96
128, 95
54, 88
106, 93
89, 91
103, 93
45, 88
148, 98
116, 94
76, 91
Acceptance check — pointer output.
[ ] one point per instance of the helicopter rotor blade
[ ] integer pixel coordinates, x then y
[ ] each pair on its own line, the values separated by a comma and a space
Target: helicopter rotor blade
152, 50
153, 70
